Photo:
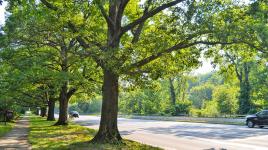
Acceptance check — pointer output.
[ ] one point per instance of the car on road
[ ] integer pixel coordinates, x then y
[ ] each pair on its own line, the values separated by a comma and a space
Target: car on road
74, 114
260, 119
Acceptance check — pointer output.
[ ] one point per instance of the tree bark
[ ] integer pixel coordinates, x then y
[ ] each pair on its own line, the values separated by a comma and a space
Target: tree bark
43, 111
36, 111
244, 98
63, 97
5, 117
108, 131
172, 92
63, 101
51, 107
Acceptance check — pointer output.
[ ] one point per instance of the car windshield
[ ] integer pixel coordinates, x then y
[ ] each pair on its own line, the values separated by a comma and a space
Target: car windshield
265, 113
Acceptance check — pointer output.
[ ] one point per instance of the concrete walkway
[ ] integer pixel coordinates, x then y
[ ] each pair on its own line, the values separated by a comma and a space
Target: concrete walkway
17, 138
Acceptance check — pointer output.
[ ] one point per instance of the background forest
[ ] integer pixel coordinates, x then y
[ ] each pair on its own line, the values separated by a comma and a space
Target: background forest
214, 94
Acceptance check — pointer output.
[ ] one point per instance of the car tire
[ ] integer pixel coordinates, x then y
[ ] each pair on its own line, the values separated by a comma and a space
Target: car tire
250, 124
261, 126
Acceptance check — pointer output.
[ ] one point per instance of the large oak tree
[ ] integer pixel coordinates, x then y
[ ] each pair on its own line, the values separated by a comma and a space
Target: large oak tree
128, 38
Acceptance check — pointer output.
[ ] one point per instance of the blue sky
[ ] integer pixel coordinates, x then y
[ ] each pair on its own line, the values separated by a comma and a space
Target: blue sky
205, 68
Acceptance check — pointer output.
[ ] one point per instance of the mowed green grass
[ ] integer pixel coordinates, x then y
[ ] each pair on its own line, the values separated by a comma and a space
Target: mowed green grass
44, 136
5, 128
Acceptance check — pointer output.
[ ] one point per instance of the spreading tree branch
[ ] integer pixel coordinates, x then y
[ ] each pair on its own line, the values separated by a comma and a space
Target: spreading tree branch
121, 9
85, 44
137, 32
71, 92
104, 14
149, 15
254, 46
232, 59
49, 5
176, 47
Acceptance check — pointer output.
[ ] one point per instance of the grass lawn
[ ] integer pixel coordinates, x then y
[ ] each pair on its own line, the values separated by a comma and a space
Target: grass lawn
74, 137
5, 128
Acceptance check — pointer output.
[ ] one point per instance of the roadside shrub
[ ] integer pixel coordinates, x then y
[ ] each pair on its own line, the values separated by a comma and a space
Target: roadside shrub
162, 114
253, 111
210, 109
170, 110
194, 112
181, 108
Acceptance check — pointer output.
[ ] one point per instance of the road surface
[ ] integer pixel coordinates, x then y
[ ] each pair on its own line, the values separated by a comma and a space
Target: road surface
187, 136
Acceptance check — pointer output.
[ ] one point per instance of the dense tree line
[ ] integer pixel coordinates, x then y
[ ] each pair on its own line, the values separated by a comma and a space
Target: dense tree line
208, 95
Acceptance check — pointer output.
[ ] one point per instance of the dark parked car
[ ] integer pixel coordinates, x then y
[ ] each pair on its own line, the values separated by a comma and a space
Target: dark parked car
74, 114
260, 119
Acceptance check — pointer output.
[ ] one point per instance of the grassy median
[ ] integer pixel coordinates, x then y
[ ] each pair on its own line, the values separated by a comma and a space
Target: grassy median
44, 136
5, 128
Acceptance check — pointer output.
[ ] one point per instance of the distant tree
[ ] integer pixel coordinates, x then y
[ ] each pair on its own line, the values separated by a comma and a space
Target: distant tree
200, 94
259, 86
236, 61
173, 96
226, 97
240, 58
242, 69
178, 87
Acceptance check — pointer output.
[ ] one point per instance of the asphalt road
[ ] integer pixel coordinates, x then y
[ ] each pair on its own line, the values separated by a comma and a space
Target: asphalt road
187, 136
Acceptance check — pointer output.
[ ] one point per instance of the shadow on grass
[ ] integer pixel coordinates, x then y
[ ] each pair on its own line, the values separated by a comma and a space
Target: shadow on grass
45, 136
5, 128
126, 145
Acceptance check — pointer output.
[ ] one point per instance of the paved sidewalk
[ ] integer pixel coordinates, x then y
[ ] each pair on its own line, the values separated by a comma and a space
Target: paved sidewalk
17, 138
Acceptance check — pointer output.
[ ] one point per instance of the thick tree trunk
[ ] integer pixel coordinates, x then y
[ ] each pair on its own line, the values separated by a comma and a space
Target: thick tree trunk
51, 107
63, 101
108, 131
5, 117
172, 92
36, 111
43, 111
